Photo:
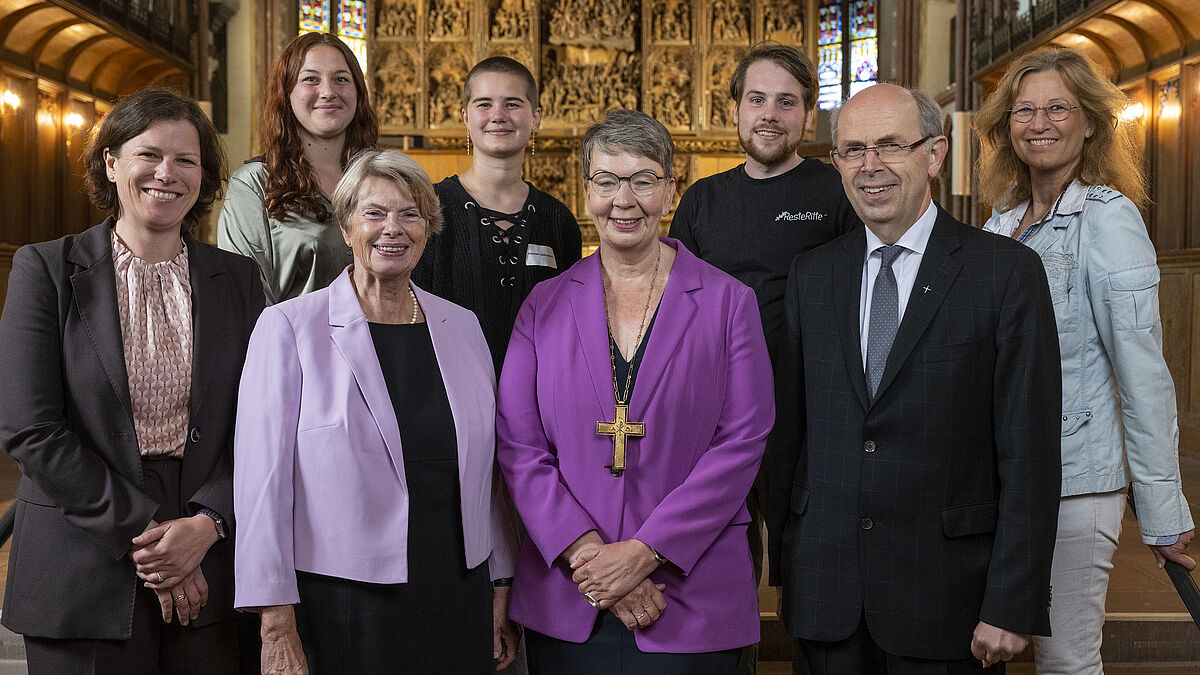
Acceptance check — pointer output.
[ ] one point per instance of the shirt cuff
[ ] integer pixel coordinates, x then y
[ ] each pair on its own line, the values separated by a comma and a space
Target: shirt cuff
1160, 541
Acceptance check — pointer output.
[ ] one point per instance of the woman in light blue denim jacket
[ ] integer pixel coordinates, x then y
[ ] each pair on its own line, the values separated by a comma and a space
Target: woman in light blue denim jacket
1052, 146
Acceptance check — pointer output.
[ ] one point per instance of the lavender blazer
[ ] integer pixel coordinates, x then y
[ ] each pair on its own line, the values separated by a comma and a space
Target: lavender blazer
704, 391
319, 470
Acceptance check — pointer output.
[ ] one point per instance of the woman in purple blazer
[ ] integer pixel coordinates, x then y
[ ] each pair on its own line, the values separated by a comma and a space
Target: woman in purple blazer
634, 407
371, 531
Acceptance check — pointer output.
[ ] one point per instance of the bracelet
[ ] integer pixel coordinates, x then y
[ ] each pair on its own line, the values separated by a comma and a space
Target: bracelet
499, 583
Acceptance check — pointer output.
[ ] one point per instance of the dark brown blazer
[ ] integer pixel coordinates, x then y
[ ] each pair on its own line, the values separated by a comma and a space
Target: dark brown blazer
932, 506
66, 418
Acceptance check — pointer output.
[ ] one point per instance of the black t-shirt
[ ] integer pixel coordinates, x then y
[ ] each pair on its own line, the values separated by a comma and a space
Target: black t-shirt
752, 228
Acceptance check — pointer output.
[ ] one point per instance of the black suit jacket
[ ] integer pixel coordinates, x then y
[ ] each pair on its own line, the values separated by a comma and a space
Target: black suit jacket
933, 506
66, 417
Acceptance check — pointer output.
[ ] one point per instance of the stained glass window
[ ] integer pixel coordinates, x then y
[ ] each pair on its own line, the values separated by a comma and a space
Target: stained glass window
349, 23
847, 50
314, 16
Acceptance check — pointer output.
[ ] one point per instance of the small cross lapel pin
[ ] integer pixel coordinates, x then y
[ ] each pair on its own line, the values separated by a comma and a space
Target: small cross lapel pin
926, 289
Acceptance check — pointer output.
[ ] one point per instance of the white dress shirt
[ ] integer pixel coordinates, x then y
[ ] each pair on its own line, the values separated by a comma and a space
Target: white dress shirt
905, 268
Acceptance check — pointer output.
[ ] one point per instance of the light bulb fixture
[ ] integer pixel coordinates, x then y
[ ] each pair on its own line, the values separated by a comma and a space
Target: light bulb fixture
9, 102
1168, 99
1133, 113
74, 120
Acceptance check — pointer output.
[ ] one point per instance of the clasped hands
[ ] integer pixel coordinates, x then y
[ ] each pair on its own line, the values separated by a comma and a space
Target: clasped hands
616, 577
167, 557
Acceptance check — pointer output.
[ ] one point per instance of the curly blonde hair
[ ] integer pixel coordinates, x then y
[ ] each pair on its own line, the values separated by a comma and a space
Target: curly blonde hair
1111, 156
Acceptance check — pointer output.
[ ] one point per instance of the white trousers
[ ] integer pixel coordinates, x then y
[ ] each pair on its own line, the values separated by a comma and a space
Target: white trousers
1088, 529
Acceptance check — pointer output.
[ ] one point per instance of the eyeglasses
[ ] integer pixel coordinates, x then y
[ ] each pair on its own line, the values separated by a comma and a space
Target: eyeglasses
607, 183
1057, 112
886, 152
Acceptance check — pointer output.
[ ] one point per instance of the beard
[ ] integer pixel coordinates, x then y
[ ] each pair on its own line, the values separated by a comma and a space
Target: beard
769, 156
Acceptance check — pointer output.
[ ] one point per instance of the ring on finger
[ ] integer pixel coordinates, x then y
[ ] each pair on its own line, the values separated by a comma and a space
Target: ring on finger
638, 617
159, 577
591, 601
180, 599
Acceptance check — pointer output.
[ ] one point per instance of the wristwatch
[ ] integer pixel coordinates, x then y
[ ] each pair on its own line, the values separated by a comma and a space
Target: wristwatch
218, 521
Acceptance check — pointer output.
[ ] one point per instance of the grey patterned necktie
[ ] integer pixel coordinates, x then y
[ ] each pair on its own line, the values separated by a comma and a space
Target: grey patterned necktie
885, 317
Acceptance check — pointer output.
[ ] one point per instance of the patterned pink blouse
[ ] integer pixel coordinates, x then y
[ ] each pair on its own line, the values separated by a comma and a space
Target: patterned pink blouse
155, 302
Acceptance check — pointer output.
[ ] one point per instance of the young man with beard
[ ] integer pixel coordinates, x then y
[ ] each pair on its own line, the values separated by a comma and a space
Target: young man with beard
752, 220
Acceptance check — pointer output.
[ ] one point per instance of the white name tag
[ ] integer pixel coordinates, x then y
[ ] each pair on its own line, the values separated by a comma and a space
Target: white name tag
541, 255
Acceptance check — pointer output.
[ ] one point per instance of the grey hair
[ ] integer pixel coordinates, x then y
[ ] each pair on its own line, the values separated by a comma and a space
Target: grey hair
392, 165
632, 131
928, 111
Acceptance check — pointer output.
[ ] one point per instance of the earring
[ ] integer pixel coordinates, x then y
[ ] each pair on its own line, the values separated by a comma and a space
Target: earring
468, 143
532, 143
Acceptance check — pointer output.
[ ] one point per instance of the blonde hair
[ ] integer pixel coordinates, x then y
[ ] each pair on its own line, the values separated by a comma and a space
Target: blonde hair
392, 165
1111, 155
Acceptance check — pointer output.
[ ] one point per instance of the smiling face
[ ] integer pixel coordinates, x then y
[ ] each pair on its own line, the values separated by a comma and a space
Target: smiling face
385, 230
771, 119
1050, 149
324, 97
625, 220
157, 174
499, 116
891, 196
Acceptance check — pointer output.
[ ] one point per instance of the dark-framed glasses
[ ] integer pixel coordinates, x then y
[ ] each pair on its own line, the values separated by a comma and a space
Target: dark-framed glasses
886, 152
607, 183
1057, 112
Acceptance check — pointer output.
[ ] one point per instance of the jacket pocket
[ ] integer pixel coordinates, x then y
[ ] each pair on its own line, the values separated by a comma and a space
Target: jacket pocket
799, 500
1134, 297
1071, 421
968, 519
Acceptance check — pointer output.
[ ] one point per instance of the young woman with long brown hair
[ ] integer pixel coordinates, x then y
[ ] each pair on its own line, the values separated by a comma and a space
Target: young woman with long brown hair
277, 210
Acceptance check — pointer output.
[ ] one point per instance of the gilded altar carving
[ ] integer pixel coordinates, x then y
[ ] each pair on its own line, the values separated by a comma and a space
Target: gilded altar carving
509, 19
449, 19
730, 21
671, 21
558, 174
396, 18
579, 85
448, 65
395, 85
783, 20
721, 64
671, 88
586, 23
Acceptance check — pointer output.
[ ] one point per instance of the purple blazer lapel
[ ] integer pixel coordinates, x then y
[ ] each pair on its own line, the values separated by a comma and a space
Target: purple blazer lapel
591, 328
675, 314
350, 332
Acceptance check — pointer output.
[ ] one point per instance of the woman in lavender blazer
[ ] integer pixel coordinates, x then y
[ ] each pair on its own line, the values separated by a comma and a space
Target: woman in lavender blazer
371, 531
637, 563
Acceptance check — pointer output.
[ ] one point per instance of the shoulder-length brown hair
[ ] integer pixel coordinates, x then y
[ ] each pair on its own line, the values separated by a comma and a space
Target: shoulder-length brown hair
130, 117
1110, 157
291, 184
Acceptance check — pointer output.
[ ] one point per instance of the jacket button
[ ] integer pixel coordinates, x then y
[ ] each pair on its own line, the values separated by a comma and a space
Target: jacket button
195, 435
869, 446
866, 523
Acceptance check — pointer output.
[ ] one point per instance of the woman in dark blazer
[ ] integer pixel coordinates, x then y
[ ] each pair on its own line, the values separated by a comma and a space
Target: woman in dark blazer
122, 347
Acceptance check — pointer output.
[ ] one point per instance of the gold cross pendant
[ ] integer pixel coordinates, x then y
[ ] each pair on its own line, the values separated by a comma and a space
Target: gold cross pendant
620, 429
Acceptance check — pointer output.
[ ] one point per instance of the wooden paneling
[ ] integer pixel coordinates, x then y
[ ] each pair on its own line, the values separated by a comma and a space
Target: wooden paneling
1179, 301
1167, 158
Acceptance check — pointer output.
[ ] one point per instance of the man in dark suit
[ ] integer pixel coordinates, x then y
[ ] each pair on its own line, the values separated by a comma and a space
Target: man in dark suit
913, 504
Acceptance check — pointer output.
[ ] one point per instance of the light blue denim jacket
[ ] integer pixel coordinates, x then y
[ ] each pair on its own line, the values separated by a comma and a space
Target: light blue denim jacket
1119, 420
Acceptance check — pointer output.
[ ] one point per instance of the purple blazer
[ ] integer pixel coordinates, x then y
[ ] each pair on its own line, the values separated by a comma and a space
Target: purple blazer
704, 391
319, 471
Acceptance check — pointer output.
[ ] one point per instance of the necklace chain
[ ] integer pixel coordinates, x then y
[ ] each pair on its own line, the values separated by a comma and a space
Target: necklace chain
413, 295
623, 398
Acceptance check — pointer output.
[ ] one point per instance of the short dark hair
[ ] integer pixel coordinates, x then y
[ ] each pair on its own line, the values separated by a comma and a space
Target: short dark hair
632, 131
130, 117
502, 64
794, 61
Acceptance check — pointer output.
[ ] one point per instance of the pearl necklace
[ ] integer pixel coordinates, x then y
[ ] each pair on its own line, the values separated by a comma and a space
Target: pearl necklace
413, 295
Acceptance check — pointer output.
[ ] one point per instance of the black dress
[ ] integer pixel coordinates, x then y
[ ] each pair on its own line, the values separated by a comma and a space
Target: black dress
441, 620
